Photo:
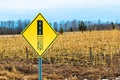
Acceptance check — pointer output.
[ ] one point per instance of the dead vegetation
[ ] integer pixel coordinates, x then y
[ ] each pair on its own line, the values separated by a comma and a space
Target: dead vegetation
74, 56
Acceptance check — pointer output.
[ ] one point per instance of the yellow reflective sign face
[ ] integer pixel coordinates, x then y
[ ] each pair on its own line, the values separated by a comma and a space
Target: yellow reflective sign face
39, 34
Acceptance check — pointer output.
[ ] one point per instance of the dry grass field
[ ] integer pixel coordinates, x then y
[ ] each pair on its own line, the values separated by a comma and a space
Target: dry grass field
89, 55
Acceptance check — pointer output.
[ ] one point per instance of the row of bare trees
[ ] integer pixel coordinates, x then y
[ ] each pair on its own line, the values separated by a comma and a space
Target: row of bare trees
76, 25
15, 27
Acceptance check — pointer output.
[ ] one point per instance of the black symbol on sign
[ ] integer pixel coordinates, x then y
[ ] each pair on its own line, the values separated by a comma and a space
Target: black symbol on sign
39, 27
39, 34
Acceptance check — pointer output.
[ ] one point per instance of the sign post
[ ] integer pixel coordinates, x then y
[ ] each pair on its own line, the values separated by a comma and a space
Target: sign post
40, 68
40, 35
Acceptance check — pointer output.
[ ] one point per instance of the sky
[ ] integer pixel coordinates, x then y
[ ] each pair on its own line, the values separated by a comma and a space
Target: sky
58, 10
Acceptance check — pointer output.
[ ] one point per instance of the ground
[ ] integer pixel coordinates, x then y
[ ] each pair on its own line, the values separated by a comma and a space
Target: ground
91, 55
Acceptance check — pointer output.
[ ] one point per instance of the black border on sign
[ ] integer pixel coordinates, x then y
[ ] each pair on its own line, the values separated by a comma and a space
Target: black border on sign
28, 41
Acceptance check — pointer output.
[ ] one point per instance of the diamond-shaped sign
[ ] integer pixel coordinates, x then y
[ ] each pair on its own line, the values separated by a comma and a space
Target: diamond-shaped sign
39, 34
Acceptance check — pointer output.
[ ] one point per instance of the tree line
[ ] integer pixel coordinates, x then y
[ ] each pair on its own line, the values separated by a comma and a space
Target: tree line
74, 25
15, 27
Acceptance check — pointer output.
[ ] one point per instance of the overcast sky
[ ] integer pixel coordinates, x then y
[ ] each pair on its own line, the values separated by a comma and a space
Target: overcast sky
57, 10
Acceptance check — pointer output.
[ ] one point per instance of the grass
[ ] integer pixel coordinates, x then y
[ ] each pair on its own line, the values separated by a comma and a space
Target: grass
74, 55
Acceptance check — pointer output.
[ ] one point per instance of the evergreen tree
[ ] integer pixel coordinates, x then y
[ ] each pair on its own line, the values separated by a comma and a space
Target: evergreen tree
71, 29
82, 26
61, 30
113, 26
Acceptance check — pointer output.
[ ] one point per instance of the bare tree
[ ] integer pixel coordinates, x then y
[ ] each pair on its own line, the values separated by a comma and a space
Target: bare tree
74, 25
55, 26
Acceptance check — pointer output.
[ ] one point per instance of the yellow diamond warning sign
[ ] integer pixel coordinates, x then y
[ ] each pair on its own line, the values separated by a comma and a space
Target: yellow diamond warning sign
39, 34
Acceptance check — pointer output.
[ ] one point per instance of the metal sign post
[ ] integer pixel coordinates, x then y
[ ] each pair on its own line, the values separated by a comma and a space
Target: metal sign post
40, 68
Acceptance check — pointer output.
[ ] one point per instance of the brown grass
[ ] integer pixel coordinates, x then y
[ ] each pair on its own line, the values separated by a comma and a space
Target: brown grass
68, 58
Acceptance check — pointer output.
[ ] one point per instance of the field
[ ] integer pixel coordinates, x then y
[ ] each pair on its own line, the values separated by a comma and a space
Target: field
91, 55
